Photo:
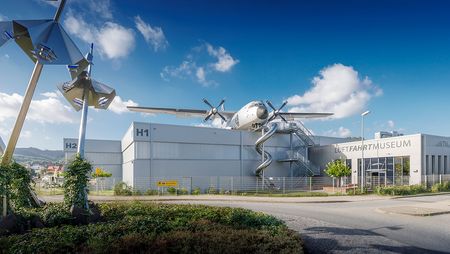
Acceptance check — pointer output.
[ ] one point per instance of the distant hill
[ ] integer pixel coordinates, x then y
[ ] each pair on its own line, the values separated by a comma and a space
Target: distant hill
35, 154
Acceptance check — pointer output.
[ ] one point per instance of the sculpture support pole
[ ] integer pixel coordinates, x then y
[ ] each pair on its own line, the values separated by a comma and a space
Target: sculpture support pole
22, 114
9, 151
82, 133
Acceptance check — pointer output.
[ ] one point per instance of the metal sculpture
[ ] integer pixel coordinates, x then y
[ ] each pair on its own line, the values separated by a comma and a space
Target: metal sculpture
82, 92
45, 42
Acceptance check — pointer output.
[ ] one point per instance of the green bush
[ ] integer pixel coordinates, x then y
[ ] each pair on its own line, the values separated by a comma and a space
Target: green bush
439, 187
401, 190
196, 191
211, 190
76, 178
55, 214
15, 183
183, 191
151, 192
172, 190
137, 193
122, 189
162, 228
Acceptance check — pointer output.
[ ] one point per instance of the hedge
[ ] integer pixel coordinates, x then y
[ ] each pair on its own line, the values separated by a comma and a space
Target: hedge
156, 228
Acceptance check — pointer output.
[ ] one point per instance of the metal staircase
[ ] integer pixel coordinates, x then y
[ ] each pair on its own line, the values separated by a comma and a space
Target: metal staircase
298, 155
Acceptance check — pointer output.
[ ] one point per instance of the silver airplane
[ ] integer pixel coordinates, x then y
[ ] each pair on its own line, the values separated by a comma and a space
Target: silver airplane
253, 116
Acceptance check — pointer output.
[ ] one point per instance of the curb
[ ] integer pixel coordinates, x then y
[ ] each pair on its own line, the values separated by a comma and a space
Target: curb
421, 195
212, 200
424, 214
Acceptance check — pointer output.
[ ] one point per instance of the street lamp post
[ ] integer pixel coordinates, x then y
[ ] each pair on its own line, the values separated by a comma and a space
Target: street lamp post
363, 171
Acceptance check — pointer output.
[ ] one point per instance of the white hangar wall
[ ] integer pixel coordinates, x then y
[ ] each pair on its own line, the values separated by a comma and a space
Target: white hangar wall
104, 154
163, 151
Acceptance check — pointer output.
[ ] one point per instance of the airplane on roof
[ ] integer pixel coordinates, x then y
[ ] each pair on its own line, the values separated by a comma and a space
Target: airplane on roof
253, 116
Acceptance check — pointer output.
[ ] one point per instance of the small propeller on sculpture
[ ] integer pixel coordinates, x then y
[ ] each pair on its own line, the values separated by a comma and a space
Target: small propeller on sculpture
276, 112
214, 110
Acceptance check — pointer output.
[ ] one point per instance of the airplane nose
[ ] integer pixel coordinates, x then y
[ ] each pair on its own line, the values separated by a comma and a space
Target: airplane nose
262, 113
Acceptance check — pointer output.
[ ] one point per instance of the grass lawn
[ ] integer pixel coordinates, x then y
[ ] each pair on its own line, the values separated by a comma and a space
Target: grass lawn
134, 227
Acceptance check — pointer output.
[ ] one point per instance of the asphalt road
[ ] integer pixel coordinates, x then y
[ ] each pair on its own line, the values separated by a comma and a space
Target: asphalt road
358, 227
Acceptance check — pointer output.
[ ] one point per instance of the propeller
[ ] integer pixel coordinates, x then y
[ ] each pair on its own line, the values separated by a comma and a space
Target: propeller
276, 112
214, 110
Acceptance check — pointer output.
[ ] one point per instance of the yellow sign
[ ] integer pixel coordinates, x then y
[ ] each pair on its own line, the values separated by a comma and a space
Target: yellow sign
169, 183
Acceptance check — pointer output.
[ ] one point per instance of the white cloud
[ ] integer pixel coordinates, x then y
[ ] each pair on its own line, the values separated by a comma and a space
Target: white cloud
119, 106
51, 109
338, 89
51, 94
200, 74
202, 61
26, 134
391, 124
115, 40
112, 40
224, 60
101, 7
152, 35
341, 132
216, 122
3, 18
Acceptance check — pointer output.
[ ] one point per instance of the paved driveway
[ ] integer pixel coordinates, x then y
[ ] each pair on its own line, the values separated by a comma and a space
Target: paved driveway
341, 224
359, 226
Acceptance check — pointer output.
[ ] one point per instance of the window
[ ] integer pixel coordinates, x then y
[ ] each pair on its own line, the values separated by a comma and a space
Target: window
427, 165
406, 165
348, 163
439, 168
433, 168
445, 164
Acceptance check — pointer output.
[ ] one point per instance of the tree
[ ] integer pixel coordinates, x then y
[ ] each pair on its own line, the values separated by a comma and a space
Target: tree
100, 175
338, 169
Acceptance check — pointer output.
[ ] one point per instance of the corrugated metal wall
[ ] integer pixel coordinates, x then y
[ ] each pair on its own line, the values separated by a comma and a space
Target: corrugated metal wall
169, 151
104, 154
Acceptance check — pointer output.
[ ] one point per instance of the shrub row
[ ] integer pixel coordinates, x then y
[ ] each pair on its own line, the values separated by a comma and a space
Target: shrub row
157, 228
412, 189
122, 189
401, 190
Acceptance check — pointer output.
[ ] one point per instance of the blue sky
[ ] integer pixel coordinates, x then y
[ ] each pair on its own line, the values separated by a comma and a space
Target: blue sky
391, 57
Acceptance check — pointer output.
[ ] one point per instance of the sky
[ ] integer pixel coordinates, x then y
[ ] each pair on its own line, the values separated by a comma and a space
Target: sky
344, 57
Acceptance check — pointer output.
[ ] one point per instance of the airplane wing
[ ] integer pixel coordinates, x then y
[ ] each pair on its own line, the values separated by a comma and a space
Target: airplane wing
178, 111
292, 116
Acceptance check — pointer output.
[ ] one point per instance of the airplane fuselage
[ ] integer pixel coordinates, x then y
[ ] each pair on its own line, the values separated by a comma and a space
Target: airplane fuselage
250, 117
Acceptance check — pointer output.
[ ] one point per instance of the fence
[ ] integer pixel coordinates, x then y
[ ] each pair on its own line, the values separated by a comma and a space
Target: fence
247, 184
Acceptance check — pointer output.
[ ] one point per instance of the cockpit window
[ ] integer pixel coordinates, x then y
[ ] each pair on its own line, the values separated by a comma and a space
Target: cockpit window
256, 103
